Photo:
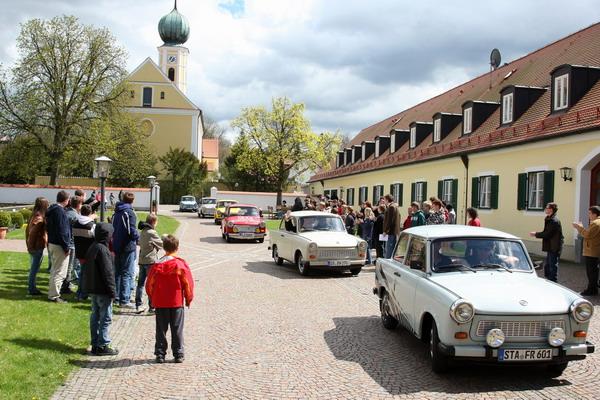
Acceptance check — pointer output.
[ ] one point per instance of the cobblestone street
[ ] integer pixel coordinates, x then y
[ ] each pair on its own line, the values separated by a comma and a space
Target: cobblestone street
257, 331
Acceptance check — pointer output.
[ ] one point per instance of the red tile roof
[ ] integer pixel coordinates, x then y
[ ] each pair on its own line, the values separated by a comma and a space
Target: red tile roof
580, 48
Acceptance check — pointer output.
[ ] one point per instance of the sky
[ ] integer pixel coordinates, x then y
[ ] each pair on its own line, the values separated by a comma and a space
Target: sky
351, 62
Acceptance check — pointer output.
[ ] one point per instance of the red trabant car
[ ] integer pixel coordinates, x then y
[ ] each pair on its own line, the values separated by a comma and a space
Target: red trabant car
243, 221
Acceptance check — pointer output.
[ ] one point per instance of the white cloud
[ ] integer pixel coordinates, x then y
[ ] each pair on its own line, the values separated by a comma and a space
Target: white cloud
351, 62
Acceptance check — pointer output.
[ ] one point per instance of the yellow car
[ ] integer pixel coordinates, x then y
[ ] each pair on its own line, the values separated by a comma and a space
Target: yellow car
220, 209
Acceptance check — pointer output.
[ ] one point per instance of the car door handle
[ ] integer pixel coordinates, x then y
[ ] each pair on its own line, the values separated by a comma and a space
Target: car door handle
398, 274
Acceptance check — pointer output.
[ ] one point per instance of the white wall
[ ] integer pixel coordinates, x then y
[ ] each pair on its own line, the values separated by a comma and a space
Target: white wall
26, 194
263, 200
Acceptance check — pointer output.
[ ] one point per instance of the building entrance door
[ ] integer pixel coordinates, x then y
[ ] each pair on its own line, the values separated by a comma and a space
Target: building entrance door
595, 186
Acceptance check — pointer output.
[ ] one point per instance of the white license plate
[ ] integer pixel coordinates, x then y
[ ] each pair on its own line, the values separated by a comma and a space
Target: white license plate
338, 263
524, 354
246, 234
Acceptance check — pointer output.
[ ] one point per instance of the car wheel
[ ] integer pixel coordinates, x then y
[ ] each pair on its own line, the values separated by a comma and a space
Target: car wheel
229, 239
355, 271
201, 215
217, 222
439, 361
556, 370
262, 240
278, 260
388, 321
302, 265
223, 235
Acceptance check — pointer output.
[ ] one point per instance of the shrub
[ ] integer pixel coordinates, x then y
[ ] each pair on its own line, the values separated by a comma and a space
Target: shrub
17, 219
4, 219
26, 212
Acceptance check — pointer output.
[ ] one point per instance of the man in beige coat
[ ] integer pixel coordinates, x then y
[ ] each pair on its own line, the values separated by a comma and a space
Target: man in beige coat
150, 244
591, 249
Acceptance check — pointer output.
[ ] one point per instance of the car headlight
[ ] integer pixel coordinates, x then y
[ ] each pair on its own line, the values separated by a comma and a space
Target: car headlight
230, 224
556, 337
312, 249
495, 338
362, 246
582, 310
261, 225
462, 311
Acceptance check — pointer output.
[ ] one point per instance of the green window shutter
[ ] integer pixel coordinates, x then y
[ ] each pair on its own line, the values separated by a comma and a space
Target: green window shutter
522, 192
366, 194
400, 194
374, 190
424, 191
475, 192
495, 185
412, 192
455, 193
548, 187
440, 189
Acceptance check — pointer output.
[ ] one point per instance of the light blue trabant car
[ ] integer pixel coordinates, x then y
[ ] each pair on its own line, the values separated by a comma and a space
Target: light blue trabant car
473, 295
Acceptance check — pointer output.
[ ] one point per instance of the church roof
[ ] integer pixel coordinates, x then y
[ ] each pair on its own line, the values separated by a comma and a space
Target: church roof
174, 28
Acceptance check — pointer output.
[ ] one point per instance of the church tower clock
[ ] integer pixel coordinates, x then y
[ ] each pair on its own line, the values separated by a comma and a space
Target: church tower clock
174, 31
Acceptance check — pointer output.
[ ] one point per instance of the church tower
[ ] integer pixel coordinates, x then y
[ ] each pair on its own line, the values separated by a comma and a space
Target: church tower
174, 31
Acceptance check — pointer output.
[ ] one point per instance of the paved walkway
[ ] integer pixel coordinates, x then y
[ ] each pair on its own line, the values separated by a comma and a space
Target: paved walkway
260, 331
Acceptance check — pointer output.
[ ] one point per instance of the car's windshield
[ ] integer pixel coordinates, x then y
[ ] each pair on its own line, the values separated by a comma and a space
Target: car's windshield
244, 211
225, 203
478, 253
188, 198
209, 201
321, 223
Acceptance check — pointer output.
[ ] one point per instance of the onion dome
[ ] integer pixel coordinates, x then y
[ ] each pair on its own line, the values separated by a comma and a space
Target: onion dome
174, 28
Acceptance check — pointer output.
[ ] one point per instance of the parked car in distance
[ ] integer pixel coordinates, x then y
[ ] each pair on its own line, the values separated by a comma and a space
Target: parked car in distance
207, 207
220, 209
473, 295
188, 203
317, 240
243, 221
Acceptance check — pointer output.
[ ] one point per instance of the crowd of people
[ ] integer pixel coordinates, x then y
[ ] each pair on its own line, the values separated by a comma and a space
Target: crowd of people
100, 259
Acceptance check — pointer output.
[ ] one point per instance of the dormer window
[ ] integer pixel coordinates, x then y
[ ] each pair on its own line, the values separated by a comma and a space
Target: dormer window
561, 92
507, 108
413, 137
467, 120
437, 130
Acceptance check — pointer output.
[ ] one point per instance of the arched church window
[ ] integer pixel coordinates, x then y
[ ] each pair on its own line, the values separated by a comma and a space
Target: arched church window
147, 98
172, 74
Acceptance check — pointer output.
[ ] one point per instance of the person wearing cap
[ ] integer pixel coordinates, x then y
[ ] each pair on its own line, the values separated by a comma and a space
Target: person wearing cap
552, 241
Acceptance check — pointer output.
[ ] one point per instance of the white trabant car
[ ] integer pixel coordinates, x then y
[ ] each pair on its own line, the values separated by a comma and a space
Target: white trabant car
317, 240
207, 207
473, 295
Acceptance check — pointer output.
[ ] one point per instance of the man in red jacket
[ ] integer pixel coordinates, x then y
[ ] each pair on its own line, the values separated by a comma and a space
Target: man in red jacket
169, 286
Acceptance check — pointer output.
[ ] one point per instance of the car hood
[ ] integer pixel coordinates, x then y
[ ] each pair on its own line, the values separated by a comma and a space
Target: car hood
501, 292
331, 239
244, 220
208, 206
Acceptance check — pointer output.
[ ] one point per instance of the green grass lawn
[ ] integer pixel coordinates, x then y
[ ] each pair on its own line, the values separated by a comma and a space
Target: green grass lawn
40, 342
165, 225
272, 224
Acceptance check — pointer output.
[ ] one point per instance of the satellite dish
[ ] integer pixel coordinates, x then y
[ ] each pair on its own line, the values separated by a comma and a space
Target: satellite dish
495, 58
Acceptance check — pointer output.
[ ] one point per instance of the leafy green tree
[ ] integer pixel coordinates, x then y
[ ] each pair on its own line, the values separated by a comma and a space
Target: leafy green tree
186, 172
284, 137
67, 75
23, 158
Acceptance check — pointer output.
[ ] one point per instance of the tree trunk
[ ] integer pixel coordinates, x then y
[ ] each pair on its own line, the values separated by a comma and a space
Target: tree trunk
279, 196
54, 161
173, 189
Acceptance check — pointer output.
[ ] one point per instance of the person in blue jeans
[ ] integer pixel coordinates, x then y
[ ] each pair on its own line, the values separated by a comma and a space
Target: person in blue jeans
125, 239
366, 232
552, 241
36, 240
99, 283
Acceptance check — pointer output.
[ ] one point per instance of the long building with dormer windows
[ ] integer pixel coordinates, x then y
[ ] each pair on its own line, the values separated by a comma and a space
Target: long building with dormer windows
506, 143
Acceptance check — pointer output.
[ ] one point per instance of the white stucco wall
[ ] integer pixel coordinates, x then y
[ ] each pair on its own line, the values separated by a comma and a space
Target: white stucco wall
263, 200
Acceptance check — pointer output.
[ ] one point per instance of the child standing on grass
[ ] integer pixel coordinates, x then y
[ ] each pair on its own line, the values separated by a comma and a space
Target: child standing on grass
169, 286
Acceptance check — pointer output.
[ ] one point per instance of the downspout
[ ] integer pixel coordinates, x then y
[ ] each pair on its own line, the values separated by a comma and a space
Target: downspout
465, 160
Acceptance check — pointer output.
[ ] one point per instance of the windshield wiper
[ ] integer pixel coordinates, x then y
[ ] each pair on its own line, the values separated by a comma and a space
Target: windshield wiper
449, 266
492, 265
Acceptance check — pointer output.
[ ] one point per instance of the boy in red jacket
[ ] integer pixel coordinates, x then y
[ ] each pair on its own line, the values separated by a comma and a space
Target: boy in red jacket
169, 285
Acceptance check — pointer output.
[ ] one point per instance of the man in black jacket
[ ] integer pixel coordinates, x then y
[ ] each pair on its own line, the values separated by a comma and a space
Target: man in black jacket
99, 283
552, 241
59, 239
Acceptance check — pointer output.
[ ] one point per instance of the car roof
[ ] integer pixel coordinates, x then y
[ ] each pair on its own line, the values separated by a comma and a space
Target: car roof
242, 205
451, 230
310, 214
227, 200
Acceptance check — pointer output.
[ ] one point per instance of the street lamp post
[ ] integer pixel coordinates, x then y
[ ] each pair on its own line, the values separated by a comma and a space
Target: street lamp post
102, 170
151, 181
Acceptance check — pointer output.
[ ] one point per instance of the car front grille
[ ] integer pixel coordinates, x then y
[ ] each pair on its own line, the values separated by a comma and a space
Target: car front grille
517, 329
246, 228
338, 253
